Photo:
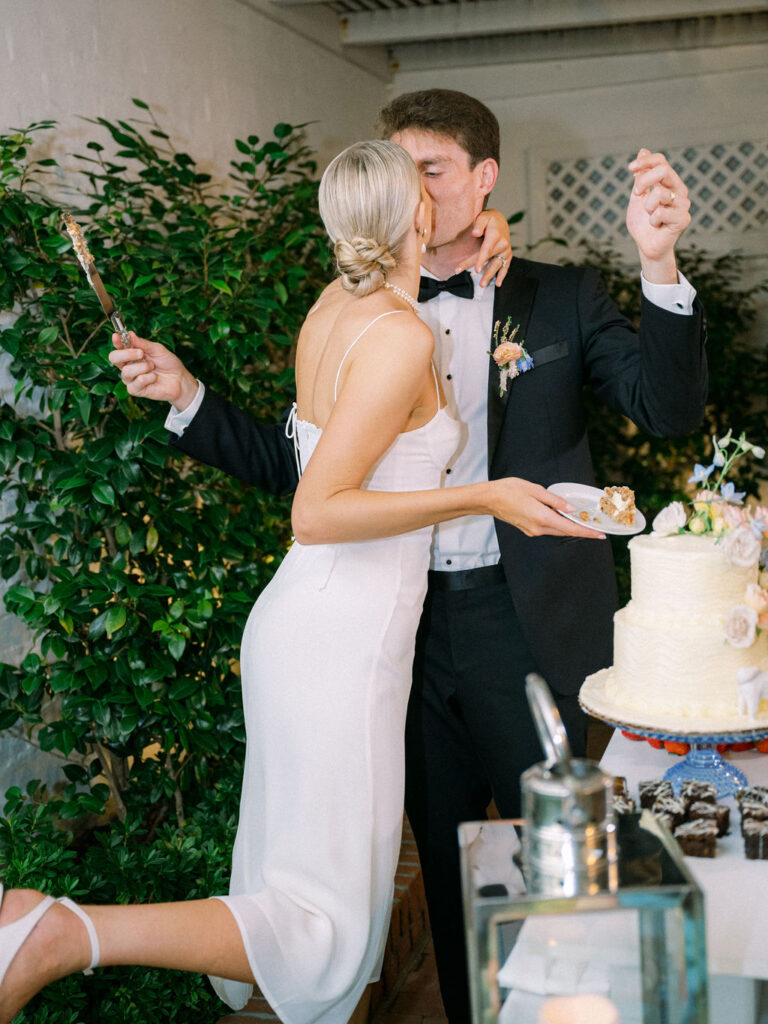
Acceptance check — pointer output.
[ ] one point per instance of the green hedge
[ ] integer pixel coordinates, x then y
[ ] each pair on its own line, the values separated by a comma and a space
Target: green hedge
121, 863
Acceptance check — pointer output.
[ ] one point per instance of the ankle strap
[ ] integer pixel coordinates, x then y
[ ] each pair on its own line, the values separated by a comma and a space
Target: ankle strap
89, 927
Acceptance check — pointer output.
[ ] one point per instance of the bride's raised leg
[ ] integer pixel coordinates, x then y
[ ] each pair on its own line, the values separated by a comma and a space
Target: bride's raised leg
199, 935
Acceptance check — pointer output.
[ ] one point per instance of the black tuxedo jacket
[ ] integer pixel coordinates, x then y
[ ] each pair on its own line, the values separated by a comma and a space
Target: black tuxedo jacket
564, 589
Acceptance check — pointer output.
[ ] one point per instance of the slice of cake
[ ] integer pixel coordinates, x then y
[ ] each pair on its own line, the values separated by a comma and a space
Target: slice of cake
619, 504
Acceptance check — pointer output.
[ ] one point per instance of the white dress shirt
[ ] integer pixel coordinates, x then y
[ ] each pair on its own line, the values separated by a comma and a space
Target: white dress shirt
462, 331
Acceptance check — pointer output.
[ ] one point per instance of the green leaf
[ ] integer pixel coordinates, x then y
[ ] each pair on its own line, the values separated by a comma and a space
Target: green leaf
48, 335
103, 493
183, 688
98, 626
20, 594
115, 618
176, 646
140, 103
85, 405
122, 533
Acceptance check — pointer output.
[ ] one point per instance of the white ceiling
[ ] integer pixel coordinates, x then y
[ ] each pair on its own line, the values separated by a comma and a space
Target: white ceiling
422, 33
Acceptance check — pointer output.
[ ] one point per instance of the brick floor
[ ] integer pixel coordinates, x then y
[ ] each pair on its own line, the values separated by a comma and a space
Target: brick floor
418, 999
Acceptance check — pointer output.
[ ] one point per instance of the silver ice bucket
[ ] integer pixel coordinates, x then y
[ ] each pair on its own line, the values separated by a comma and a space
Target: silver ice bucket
569, 836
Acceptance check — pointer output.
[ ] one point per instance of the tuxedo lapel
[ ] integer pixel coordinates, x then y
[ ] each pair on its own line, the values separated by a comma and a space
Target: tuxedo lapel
513, 301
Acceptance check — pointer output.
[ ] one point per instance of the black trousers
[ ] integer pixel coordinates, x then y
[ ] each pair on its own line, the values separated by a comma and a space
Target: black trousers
469, 736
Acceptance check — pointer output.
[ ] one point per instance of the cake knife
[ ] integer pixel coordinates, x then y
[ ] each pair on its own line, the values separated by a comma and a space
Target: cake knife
88, 264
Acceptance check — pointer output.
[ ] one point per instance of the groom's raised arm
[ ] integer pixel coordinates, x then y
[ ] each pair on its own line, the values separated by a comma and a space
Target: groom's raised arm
218, 432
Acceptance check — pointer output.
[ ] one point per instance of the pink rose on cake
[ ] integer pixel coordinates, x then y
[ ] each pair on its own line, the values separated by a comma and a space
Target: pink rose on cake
757, 598
741, 547
734, 516
741, 626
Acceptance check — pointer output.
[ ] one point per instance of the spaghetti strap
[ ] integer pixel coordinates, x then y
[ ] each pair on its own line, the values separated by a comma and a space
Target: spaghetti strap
437, 386
367, 326
293, 435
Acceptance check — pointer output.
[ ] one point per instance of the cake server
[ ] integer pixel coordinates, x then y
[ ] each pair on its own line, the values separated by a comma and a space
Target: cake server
88, 264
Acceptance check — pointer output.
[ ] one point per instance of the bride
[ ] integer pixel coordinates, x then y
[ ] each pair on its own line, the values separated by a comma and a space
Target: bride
327, 650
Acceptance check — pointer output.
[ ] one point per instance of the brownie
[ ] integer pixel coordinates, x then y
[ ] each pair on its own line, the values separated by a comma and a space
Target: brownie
755, 839
694, 791
697, 838
670, 805
651, 789
623, 805
756, 794
753, 810
702, 810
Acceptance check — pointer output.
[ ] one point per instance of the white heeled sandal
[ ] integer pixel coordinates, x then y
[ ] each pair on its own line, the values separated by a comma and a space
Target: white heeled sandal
13, 936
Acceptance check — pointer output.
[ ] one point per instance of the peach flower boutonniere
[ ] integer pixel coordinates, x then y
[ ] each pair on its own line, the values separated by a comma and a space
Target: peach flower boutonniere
510, 356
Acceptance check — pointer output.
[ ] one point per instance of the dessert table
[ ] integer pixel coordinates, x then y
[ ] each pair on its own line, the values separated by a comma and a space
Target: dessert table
735, 889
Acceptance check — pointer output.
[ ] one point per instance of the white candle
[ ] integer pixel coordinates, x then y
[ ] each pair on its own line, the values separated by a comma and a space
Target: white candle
587, 1008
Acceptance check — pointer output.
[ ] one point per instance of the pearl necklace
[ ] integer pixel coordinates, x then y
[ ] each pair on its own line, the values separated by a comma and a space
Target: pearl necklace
403, 294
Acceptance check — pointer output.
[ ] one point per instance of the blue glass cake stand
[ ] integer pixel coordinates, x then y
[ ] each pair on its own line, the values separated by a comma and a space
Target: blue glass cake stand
702, 763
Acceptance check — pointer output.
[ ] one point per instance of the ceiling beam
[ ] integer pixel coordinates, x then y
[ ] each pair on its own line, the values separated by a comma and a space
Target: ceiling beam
488, 17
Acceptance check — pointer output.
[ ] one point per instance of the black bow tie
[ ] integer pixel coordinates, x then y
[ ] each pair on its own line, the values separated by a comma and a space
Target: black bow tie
460, 284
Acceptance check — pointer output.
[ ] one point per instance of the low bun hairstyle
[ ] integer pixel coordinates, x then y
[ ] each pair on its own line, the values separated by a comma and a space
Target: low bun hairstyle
368, 195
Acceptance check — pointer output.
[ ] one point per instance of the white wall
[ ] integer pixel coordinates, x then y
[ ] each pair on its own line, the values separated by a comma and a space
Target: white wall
212, 69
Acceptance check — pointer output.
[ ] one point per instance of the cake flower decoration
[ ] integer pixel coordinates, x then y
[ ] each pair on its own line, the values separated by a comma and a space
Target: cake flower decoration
741, 626
729, 493
701, 473
509, 355
718, 510
742, 547
671, 519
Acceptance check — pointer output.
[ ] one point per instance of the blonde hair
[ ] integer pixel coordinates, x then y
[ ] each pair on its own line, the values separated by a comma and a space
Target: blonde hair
368, 196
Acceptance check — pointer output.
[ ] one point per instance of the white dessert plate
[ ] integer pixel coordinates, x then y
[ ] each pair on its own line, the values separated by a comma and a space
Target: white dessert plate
587, 499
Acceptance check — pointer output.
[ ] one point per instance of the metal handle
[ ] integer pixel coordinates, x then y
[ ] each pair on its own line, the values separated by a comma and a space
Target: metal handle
549, 724
119, 326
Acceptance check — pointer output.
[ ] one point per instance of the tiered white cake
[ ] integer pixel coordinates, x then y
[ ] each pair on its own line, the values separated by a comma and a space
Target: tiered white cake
671, 655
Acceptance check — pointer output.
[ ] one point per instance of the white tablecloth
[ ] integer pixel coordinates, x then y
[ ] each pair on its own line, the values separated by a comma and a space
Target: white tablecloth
735, 889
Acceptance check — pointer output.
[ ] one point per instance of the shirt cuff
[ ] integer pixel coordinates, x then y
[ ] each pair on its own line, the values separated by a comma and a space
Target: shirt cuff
674, 298
177, 421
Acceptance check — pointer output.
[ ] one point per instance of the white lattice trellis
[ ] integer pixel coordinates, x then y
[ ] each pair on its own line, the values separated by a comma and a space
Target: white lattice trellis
727, 186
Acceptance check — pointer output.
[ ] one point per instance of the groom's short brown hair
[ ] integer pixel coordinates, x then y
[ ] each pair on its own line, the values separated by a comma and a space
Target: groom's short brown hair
445, 112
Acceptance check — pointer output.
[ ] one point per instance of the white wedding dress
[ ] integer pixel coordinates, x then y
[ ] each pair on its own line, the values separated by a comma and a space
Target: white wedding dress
326, 667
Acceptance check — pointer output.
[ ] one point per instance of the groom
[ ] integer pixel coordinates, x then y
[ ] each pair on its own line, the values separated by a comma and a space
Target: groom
499, 604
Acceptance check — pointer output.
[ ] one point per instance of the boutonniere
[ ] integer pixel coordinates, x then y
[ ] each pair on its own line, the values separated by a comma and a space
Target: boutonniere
509, 355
